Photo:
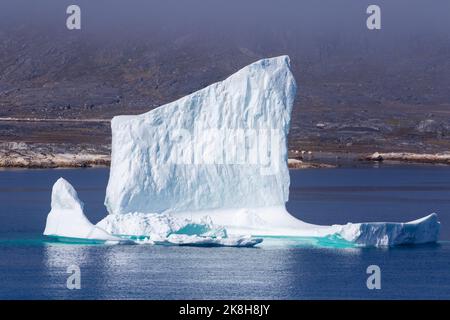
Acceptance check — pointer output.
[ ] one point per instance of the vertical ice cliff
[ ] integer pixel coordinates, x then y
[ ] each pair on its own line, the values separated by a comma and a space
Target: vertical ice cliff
218, 148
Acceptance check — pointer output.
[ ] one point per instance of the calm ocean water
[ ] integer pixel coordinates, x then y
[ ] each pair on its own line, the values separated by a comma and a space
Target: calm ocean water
32, 268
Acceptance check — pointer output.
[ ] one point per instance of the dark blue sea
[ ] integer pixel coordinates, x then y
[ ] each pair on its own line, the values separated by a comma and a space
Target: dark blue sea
32, 267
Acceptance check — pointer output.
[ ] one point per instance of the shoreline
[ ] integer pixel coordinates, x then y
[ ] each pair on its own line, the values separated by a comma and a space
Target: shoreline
48, 161
22, 155
409, 157
35, 160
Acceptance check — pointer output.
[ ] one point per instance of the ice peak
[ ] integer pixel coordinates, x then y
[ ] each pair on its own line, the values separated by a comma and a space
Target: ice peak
65, 197
221, 147
67, 219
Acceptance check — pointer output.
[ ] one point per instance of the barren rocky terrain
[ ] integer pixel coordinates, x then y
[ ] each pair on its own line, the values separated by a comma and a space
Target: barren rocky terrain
358, 92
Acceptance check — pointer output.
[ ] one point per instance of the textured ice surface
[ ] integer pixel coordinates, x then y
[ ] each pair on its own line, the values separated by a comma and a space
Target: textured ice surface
221, 153
164, 228
208, 150
157, 227
379, 234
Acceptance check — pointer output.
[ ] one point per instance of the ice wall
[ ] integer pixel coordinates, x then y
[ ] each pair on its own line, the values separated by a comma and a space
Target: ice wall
218, 148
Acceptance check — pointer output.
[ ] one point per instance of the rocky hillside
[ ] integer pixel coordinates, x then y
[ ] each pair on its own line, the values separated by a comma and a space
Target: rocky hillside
357, 91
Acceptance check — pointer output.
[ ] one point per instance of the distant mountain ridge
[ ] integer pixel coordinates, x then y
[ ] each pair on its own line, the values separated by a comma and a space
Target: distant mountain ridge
356, 91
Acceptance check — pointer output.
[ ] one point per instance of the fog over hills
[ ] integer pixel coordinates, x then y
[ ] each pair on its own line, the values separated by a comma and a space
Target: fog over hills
358, 90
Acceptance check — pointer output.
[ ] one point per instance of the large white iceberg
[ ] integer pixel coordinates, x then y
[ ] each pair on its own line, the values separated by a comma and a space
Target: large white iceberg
221, 153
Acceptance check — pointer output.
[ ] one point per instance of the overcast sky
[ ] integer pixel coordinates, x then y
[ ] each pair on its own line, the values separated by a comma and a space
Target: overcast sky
235, 17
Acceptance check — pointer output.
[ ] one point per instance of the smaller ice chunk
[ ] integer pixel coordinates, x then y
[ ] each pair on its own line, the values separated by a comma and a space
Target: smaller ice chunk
67, 219
382, 234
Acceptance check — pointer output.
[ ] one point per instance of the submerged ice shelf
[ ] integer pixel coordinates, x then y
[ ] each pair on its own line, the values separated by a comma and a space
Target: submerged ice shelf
211, 169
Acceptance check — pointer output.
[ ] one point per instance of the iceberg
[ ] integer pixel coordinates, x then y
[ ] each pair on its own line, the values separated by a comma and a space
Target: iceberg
67, 219
211, 169
381, 234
